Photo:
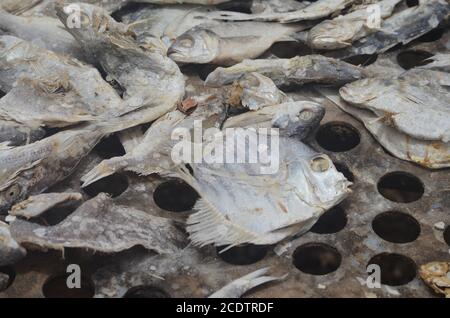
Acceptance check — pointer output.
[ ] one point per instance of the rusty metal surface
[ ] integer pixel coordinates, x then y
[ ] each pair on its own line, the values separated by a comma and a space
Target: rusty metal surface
353, 246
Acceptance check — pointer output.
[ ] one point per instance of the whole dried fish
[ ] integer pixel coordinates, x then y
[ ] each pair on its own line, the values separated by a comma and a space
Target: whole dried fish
316, 10
228, 43
38, 204
298, 71
240, 286
239, 204
340, 32
437, 276
103, 226
402, 27
10, 250
150, 79
44, 32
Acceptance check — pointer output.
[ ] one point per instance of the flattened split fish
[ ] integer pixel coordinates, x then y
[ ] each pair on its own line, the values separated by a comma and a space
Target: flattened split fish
100, 225
296, 71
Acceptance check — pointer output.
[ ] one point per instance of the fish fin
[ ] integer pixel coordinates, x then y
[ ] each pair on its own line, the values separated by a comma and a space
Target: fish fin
209, 226
103, 170
5, 145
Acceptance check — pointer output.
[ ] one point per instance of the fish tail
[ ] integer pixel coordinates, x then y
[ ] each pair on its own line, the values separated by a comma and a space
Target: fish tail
103, 170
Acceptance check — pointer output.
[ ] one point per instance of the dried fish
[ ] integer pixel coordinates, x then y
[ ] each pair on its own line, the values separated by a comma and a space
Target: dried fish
33, 168
296, 71
428, 153
10, 250
103, 226
150, 79
316, 10
293, 119
38, 204
15, 134
340, 32
239, 204
402, 27
228, 43
277, 6
44, 32
242, 285
437, 276
439, 62
18, 7
255, 91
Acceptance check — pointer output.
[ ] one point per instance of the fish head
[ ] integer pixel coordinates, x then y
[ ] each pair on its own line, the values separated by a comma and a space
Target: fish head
259, 91
11, 194
330, 186
197, 45
298, 119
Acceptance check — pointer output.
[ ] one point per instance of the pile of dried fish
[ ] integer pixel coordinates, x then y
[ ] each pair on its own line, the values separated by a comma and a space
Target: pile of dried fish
73, 73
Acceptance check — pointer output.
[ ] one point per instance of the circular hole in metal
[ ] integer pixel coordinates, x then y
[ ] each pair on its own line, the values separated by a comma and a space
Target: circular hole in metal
401, 187
242, 255
338, 137
432, 36
236, 6
110, 147
146, 292
287, 50
175, 196
410, 59
114, 185
362, 60
332, 221
396, 269
447, 235
317, 258
56, 287
7, 276
412, 3
202, 70
396, 227
345, 171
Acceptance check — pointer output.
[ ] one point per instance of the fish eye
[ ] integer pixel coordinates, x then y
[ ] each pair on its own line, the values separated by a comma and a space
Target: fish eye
186, 42
12, 193
306, 115
252, 81
320, 164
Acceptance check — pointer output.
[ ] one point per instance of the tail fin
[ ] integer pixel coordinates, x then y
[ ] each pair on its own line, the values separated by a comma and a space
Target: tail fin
103, 170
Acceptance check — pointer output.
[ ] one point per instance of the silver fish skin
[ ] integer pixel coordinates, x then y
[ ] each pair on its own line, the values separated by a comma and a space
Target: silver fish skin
32, 169
44, 32
10, 250
100, 225
342, 31
228, 43
151, 80
57, 75
293, 119
36, 205
15, 134
240, 286
240, 203
401, 28
296, 71
314, 11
